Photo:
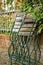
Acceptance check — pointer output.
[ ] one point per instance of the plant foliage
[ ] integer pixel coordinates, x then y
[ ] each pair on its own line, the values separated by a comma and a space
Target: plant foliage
34, 8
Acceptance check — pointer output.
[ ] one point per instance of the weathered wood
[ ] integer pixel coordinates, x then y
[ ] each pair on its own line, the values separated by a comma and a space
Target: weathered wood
7, 12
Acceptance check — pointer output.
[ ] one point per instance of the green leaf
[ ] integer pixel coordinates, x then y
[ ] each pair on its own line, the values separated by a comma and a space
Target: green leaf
9, 1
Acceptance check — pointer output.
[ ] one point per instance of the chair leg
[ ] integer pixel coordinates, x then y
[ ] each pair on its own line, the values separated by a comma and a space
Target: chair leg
10, 61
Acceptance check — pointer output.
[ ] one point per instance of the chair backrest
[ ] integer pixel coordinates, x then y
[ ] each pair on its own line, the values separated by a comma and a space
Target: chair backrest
18, 22
28, 26
23, 24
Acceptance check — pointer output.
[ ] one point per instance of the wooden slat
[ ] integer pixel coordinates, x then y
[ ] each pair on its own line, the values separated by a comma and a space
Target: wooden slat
15, 30
16, 26
27, 29
19, 18
18, 23
27, 25
20, 14
25, 33
6, 12
29, 20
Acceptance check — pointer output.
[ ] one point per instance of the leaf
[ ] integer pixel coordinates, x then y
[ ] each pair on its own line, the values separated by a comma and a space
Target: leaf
9, 1
40, 28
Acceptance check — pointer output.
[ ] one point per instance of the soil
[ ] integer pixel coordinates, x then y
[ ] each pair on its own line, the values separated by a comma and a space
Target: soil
4, 44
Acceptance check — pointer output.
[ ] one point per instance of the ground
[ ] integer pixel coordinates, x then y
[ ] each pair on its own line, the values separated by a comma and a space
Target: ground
4, 59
